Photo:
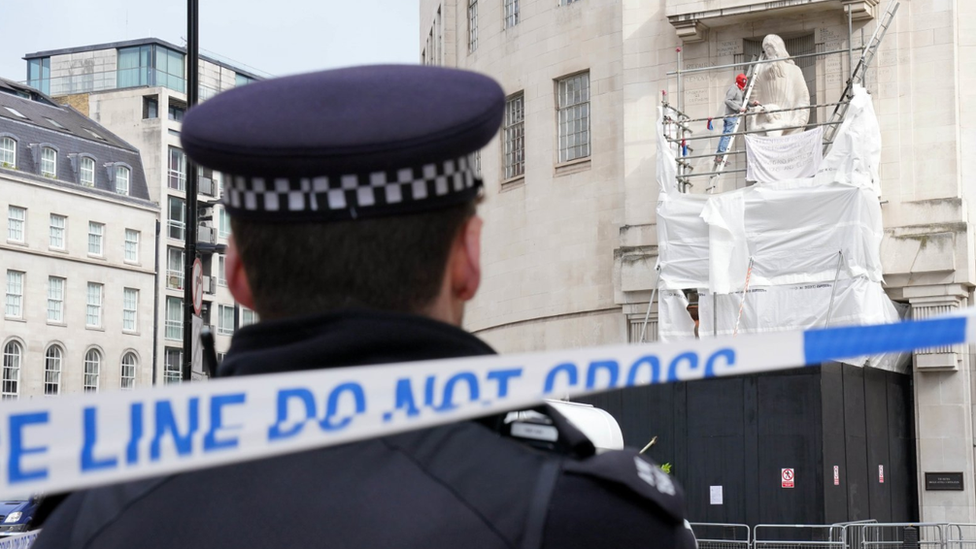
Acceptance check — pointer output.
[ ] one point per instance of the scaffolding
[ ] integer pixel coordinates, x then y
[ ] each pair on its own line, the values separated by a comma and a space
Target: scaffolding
681, 136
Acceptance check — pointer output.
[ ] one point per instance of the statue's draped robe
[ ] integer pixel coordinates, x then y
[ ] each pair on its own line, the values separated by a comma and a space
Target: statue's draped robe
781, 85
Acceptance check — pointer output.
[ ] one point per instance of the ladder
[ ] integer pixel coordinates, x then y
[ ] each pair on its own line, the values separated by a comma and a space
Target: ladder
719, 166
859, 72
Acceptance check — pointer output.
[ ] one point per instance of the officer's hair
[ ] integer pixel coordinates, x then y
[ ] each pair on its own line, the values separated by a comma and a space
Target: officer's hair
389, 263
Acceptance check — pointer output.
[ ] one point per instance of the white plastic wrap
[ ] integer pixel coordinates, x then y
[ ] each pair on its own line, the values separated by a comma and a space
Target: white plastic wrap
801, 234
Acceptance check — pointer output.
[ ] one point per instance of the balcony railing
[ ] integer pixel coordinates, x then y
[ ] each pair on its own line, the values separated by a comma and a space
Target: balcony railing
174, 280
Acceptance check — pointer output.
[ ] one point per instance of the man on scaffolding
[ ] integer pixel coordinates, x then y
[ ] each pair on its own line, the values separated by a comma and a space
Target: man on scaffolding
733, 108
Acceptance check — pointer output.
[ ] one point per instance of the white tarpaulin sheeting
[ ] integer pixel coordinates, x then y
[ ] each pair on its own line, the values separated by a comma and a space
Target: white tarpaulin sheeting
801, 234
794, 156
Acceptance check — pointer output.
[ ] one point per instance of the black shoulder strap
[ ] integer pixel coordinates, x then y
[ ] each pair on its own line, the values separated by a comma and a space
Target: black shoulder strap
539, 507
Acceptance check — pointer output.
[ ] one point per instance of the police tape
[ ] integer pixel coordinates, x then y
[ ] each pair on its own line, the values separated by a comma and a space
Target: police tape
23, 541
75, 441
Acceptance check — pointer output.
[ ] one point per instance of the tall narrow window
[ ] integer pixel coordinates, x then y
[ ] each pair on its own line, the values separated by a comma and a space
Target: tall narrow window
174, 318
472, 25
16, 219
574, 117
93, 318
55, 299
177, 219
12, 354
177, 169
131, 246
515, 136
8, 153
95, 233
93, 366
52, 370
86, 173
58, 223
511, 13
128, 381
173, 366
223, 225
174, 268
49, 162
221, 271
122, 180
225, 320
15, 295
130, 305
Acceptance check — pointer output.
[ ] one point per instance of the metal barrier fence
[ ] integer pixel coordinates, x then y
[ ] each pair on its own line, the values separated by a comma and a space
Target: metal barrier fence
723, 536
850, 535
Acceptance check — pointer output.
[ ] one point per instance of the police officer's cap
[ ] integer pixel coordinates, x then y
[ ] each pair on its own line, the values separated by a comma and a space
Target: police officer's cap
348, 143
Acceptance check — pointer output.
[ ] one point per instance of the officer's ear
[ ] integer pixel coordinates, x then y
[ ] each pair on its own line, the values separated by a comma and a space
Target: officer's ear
464, 266
236, 277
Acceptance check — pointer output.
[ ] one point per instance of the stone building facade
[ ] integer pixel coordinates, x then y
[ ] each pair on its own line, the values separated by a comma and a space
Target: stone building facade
137, 89
77, 253
570, 240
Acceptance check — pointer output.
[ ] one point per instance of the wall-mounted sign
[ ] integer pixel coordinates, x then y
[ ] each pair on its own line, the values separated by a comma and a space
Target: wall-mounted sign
836, 475
943, 481
786, 476
715, 495
880, 474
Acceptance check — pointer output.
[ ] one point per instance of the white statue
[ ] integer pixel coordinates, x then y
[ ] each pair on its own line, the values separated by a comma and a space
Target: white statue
779, 85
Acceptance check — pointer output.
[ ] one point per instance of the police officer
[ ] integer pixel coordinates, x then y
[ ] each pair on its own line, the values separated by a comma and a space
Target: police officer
352, 199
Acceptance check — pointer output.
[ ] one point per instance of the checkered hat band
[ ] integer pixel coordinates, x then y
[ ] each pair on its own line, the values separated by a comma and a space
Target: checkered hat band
385, 190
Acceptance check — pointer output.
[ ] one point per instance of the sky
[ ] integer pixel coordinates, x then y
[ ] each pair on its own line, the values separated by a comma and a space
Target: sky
277, 37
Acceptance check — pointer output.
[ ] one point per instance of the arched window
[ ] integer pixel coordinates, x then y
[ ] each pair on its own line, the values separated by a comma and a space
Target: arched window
93, 363
12, 354
52, 370
49, 162
128, 371
122, 180
87, 172
8, 152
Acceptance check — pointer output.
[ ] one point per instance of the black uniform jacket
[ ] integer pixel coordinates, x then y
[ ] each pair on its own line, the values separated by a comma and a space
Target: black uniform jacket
463, 485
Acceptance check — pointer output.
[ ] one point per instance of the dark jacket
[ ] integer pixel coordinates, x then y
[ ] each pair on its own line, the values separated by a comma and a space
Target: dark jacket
463, 485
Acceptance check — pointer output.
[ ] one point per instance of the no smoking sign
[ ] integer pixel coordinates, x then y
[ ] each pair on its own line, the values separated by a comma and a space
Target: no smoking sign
787, 475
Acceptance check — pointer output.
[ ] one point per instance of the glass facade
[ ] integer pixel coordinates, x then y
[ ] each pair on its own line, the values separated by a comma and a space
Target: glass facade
151, 65
39, 74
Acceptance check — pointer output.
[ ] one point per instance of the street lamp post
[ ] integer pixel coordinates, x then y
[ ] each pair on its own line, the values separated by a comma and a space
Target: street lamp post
192, 96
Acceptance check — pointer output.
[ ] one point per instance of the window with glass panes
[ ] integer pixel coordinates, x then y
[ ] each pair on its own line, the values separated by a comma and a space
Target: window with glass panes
58, 224
511, 13
223, 223
49, 162
95, 233
172, 366
221, 272
12, 355
174, 319
574, 117
174, 268
15, 295
225, 320
8, 152
16, 219
177, 218
86, 174
52, 370
128, 381
130, 305
472, 25
122, 180
93, 367
55, 299
131, 246
177, 169
93, 316
248, 317
514, 136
